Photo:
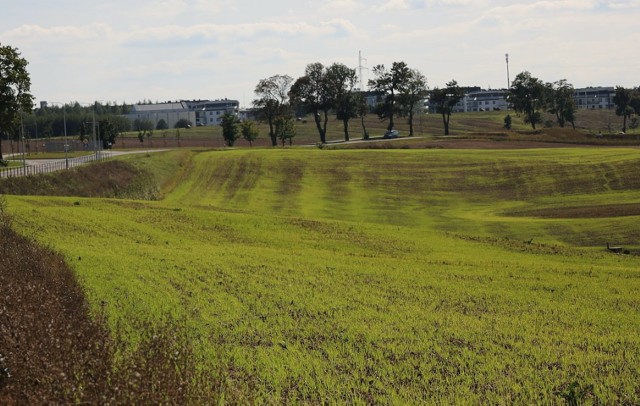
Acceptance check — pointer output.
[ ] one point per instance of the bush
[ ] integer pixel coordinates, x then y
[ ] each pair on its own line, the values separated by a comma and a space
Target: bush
183, 123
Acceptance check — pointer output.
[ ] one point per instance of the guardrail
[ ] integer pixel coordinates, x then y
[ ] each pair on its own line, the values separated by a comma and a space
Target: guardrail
53, 166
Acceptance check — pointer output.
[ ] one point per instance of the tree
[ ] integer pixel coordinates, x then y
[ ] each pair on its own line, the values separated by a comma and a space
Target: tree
389, 82
249, 131
183, 123
143, 125
311, 92
108, 132
340, 81
527, 96
444, 100
272, 101
285, 129
230, 130
635, 100
507, 121
623, 101
412, 91
362, 109
162, 125
15, 85
559, 100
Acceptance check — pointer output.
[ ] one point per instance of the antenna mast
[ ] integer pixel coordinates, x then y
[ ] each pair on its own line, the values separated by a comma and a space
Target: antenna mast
360, 69
508, 79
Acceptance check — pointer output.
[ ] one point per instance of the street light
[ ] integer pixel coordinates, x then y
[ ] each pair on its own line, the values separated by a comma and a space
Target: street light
93, 125
95, 140
24, 160
66, 144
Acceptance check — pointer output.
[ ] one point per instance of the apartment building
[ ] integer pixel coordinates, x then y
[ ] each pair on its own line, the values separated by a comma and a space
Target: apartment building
595, 98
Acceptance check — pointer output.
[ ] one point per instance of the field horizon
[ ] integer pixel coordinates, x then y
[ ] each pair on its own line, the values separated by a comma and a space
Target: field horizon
373, 276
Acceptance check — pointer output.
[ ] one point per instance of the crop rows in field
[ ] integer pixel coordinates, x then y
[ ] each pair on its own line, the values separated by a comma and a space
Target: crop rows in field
375, 276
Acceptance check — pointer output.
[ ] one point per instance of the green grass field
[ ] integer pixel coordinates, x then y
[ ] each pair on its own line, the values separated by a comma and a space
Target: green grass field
395, 276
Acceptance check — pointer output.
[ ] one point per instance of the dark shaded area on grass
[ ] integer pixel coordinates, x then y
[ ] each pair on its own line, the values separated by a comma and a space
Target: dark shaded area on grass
52, 351
111, 179
596, 211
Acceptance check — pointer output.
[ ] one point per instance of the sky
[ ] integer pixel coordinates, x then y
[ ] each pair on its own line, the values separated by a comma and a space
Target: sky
130, 51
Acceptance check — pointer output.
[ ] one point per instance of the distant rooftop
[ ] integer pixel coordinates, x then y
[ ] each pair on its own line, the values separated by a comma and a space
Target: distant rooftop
149, 108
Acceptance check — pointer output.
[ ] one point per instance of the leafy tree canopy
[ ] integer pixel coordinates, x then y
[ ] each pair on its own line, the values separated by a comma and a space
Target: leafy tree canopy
15, 87
230, 128
273, 101
527, 96
443, 100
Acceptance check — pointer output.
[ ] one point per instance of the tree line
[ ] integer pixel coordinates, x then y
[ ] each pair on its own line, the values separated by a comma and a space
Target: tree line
399, 91
324, 91
76, 120
530, 97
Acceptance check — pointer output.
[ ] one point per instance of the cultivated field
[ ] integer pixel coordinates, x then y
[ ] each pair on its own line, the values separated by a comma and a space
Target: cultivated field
481, 124
374, 276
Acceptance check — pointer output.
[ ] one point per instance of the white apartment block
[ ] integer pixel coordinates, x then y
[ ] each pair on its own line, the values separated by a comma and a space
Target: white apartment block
482, 100
490, 100
210, 112
595, 98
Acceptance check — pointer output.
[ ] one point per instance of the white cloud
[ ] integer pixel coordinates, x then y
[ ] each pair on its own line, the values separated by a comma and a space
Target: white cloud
340, 6
34, 33
152, 49
623, 4
212, 32
392, 5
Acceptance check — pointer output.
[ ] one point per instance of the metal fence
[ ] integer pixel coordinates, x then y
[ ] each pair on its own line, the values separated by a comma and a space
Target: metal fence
29, 168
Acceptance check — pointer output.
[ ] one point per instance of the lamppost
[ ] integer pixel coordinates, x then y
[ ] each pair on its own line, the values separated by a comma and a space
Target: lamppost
66, 144
24, 160
93, 129
93, 126
508, 78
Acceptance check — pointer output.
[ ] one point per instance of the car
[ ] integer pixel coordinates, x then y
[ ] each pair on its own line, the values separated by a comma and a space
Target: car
391, 134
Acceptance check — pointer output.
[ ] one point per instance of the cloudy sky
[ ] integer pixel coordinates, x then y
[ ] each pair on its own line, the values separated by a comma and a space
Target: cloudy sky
128, 51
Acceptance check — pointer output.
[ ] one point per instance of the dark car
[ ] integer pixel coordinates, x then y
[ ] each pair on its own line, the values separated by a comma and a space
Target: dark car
391, 134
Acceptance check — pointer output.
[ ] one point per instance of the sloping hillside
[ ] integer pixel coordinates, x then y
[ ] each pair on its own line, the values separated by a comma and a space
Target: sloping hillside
403, 276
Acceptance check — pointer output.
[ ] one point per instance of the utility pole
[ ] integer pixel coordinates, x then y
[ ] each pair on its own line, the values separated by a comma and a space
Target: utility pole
360, 69
508, 79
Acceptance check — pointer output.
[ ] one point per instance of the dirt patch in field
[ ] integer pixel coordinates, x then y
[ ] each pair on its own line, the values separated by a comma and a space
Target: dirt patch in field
466, 143
53, 351
596, 211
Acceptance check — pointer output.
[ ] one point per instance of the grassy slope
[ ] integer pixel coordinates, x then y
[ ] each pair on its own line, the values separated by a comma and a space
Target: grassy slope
375, 275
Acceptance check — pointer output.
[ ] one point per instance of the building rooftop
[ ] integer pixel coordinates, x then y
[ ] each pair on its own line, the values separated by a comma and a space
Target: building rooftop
149, 108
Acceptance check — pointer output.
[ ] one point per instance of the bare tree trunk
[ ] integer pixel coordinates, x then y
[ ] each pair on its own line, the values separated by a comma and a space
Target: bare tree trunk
445, 121
411, 122
365, 134
272, 134
345, 123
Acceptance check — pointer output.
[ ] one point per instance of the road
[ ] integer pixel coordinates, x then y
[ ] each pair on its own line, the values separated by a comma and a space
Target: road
39, 166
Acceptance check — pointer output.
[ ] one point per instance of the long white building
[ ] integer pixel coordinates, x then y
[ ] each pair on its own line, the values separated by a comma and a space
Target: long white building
197, 112
490, 100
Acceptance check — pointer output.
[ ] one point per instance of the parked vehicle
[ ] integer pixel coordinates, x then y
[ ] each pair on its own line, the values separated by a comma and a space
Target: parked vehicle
391, 134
